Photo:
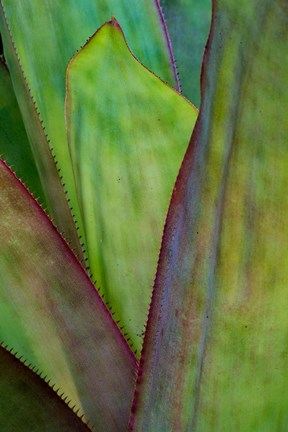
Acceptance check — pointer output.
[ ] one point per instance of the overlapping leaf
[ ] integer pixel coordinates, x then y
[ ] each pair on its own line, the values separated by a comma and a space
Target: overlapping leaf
45, 35
188, 24
14, 144
215, 355
51, 314
127, 132
28, 404
54, 193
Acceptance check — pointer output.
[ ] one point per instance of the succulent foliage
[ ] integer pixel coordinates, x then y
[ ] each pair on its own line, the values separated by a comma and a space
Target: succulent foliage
143, 253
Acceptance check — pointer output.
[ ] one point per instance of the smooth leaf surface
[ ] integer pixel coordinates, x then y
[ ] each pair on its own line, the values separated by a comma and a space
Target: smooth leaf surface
28, 404
51, 314
14, 144
46, 34
56, 199
188, 23
215, 354
127, 132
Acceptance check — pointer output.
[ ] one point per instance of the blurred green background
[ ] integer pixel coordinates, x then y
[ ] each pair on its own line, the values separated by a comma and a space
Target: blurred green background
188, 24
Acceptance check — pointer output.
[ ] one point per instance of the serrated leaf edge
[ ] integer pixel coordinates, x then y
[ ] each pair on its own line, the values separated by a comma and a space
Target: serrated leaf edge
56, 389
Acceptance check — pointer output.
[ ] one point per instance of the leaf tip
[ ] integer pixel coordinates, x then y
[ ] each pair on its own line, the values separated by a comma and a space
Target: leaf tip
114, 23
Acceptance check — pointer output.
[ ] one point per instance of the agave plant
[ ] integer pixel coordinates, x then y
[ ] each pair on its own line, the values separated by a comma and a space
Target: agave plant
100, 137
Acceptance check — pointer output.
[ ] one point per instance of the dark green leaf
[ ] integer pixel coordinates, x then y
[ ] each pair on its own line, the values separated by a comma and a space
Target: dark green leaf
188, 24
28, 404
14, 144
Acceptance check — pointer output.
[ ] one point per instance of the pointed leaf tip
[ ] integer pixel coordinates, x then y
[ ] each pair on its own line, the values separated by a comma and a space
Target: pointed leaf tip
115, 23
126, 148
38, 60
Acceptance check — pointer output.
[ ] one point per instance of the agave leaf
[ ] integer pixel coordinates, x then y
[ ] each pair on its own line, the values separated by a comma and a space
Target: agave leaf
52, 315
14, 144
188, 23
127, 132
28, 404
55, 196
46, 34
215, 354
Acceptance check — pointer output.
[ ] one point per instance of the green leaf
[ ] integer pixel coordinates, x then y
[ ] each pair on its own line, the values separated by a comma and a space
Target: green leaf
127, 132
28, 404
215, 354
54, 193
188, 23
46, 34
52, 315
14, 144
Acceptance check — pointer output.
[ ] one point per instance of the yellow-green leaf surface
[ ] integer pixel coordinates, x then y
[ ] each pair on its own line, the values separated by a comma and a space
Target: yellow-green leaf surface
215, 355
51, 314
14, 144
128, 132
188, 23
28, 404
51, 184
46, 34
